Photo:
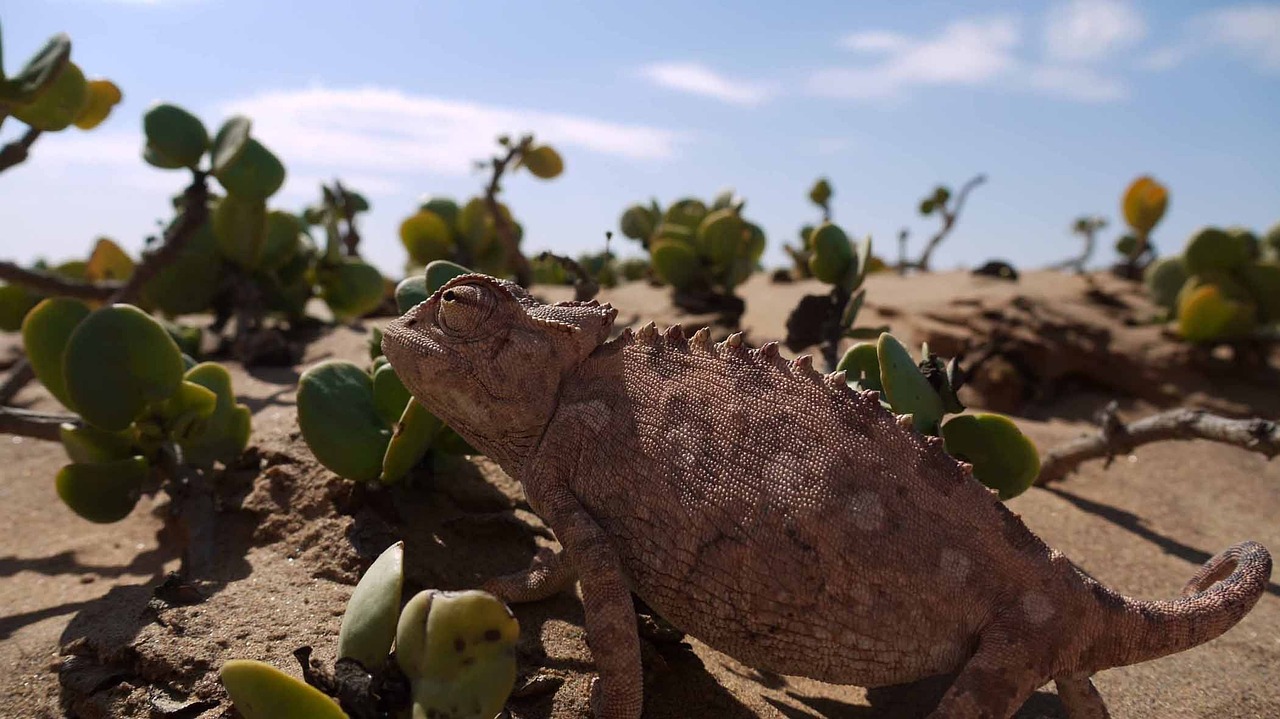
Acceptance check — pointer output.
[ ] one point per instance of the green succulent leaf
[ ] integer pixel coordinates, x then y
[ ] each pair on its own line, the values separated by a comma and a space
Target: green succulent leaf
15, 302
230, 142
86, 444
340, 420
240, 226
1002, 457
412, 439
369, 624
103, 492
674, 262
638, 222
45, 332
255, 174
543, 162
352, 288
861, 365
389, 394
175, 136
119, 360
411, 292
905, 387
427, 237
832, 258
225, 432
260, 691
446, 208
438, 273
39, 72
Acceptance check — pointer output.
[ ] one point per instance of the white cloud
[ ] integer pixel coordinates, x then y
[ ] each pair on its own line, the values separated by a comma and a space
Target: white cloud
875, 41
1077, 83
965, 52
1090, 30
1251, 32
375, 129
696, 79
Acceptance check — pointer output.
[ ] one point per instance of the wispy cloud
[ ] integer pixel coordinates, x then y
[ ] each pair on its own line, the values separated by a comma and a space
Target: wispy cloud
697, 79
988, 53
1249, 33
966, 52
1091, 30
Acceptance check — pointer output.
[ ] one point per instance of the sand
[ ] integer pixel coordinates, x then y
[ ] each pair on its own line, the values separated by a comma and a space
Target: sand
84, 633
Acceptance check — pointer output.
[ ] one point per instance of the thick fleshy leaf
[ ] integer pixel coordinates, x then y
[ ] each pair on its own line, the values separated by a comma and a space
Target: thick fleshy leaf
1210, 313
1212, 249
459, 651
674, 262
1144, 204
722, 236
389, 394
905, 387
185, 412
87, 444
1002, 457
411, 292
438, 273
832, 256
58, 104
861, 365
351, 288
40, 71
108, 262
369, 624
189, 283
410, 442
255, 174
103, 95
224, 434
281, 243
240, 226
104, 492
446, 208
260, 691
543, 162
15, 302
340, 421
426, 236
45, 332
175, 135
118, 361
230, 142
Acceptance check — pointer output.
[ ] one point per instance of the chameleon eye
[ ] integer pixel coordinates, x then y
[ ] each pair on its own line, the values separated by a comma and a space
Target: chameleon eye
463, 309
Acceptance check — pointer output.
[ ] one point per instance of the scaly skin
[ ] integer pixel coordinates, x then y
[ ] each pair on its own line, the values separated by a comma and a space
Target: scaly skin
774, 513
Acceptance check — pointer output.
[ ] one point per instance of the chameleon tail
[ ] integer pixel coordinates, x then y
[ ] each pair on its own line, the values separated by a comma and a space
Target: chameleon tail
1220, 594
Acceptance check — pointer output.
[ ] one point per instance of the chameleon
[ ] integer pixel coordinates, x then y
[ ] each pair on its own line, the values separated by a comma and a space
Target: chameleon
773, 512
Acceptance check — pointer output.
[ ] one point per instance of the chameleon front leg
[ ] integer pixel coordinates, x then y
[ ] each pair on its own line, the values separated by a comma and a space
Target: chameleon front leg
549, 574
606, 599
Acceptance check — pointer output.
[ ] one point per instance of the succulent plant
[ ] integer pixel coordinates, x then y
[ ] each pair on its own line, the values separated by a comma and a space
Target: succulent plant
139, 402
456, 649
50, 93
700, 250
1143, 205
363, 424
1002, 457
1223, 288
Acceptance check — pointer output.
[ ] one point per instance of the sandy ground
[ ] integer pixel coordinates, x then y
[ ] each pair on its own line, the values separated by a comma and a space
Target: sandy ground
84, 633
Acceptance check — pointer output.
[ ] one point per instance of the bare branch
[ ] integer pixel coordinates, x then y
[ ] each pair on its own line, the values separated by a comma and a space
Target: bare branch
949, 217
15, 153
1116, 437
584, 287
37, 425
507, 233
195, 211
48, 283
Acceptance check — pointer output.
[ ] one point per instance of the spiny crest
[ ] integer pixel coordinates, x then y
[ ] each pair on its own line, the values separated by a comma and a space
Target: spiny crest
648, 334
553, 324
674, 336
701, 341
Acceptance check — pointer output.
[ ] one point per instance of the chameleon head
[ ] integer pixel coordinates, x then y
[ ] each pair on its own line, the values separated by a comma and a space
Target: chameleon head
482, 354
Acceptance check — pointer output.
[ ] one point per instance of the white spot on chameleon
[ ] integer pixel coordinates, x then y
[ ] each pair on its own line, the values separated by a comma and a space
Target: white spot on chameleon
867, 511
954, 565
1037, 607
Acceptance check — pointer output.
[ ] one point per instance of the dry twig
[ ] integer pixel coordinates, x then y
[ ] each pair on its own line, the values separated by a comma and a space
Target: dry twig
1116, 437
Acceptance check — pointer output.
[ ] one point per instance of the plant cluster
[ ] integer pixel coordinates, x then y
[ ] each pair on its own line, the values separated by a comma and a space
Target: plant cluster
1225, 286
50, 94
1002, 457
455, 651
363, 424
142, 405
703, 251
481, 233
820, 194
1143, 205
944, 205
827, 319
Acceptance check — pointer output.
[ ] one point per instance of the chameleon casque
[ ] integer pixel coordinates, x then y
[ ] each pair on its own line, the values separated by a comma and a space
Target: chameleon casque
774, 513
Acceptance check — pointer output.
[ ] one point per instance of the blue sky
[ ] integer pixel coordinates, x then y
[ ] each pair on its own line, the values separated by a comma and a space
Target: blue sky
1060, 103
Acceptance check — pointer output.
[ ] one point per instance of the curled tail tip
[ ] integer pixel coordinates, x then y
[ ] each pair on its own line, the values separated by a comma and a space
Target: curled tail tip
1246, 566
